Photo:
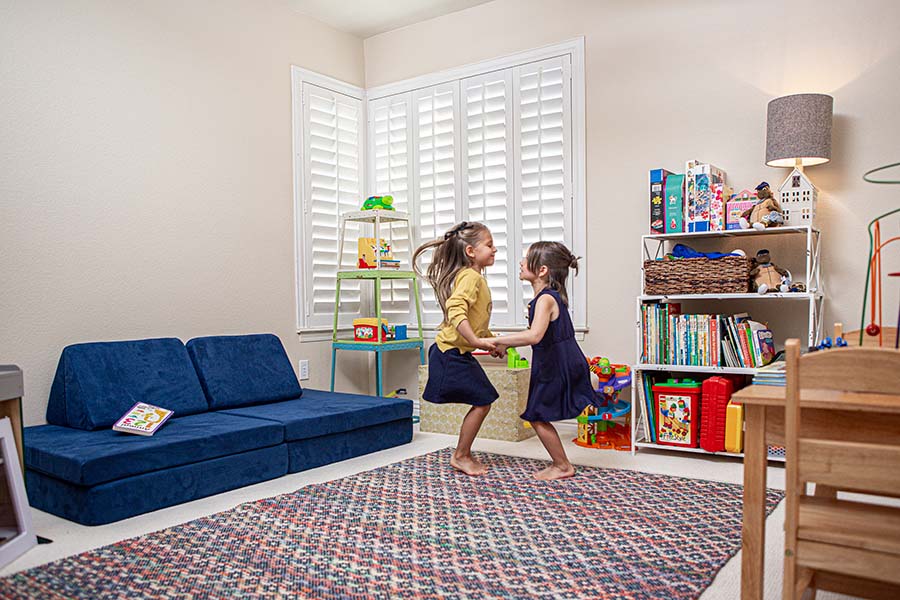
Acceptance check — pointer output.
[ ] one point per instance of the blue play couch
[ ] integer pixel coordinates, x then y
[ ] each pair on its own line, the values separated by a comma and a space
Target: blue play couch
240, 418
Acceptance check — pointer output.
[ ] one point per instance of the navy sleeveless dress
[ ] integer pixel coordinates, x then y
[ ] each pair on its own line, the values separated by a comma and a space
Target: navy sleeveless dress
560, 385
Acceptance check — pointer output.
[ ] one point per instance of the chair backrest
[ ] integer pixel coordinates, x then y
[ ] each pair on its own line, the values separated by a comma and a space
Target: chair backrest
870, 465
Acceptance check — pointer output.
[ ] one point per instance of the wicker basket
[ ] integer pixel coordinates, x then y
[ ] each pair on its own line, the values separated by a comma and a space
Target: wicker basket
726, 275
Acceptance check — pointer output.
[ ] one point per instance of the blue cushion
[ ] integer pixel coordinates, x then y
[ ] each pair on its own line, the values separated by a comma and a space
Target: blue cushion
88, 458
116, 500
326, 449
321, 413
240, 370
96, 383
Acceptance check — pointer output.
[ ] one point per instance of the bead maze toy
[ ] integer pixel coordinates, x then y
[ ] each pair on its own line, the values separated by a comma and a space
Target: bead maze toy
596, 428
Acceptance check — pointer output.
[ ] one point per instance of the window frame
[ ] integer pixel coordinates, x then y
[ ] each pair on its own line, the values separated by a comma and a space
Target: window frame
574, 48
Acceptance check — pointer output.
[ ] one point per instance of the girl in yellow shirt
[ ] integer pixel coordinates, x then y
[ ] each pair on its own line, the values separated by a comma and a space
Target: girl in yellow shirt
454, 375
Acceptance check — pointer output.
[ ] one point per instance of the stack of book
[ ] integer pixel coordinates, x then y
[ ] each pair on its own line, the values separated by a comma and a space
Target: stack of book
771, 374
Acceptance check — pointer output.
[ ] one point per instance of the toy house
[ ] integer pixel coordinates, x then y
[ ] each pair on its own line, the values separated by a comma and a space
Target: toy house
798, 199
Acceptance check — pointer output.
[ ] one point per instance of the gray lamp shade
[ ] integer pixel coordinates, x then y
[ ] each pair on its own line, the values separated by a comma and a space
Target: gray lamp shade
798, 127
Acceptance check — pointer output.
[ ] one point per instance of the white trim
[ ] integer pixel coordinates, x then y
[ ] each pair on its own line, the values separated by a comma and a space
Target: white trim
329, 83
579, 198
572, 47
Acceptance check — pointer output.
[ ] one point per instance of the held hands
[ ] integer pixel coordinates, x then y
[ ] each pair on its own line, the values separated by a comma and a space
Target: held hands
499, 350
489, 344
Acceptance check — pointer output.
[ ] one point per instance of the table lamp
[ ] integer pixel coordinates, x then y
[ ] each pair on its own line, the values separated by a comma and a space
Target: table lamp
798, 134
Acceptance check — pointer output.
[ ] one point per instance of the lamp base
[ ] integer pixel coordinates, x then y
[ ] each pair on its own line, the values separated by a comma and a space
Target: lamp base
798, 197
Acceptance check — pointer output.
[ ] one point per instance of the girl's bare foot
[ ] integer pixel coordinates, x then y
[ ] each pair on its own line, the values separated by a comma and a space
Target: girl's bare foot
554, 472
467, 465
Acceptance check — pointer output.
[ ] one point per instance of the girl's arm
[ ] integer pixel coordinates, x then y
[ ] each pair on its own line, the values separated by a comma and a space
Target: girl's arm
542, 313
465, 330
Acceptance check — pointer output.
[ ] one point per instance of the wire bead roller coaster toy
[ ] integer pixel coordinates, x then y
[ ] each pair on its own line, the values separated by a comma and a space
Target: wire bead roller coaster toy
873, 270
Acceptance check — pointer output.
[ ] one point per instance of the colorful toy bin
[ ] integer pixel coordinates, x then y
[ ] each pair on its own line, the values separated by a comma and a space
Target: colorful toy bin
677, 411
367, 330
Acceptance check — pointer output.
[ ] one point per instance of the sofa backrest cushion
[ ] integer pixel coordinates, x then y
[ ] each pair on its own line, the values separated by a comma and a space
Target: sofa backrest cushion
241, 370
97, 382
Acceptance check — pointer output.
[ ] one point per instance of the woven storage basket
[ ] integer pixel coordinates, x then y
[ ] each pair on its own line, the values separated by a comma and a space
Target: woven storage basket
726, 275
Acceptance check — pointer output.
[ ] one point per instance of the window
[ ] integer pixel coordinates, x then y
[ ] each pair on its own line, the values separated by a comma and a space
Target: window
501, 142
329, 169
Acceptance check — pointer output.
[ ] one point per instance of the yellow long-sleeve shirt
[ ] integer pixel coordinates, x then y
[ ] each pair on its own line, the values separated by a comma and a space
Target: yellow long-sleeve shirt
470, 299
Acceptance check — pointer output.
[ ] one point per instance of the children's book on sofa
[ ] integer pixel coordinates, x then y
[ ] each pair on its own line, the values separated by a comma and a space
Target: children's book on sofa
142, 419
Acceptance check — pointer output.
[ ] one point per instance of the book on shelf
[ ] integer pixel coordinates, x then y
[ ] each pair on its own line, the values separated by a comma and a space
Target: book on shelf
143, 419
672, 338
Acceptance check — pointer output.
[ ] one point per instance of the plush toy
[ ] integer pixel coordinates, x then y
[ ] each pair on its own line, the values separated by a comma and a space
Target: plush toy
765, 213
766, 275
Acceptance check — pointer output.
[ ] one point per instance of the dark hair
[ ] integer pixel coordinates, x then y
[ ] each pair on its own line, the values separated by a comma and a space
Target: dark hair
558, 260
449, 258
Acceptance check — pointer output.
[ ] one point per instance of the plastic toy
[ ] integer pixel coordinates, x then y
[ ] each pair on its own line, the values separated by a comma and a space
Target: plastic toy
713, 412
378, 202
596, 428
514, 360
370, 254
828, 344
367, 330
734, 428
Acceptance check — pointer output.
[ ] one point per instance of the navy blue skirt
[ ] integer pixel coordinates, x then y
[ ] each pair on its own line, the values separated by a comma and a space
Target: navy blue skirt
457, 377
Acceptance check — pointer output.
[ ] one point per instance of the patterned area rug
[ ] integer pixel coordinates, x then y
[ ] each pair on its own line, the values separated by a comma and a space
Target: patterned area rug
418, 529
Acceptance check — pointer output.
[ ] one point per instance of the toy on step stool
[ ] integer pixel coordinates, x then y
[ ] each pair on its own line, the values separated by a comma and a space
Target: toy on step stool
596, 428
367, 330
370, 255
378, 202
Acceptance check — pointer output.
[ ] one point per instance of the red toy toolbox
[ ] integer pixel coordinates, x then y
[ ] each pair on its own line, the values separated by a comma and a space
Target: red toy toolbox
713, 407
677, 404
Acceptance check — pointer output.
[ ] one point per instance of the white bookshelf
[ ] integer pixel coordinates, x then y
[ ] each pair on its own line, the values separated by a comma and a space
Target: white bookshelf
803, 240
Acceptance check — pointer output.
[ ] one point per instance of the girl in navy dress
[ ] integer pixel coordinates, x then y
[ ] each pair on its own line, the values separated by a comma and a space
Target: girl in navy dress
456, 273
560, 385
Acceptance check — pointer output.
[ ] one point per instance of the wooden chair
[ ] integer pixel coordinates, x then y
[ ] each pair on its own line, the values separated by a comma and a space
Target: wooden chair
846, 546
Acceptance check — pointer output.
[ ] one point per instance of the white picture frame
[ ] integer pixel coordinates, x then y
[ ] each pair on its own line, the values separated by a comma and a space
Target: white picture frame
21, 535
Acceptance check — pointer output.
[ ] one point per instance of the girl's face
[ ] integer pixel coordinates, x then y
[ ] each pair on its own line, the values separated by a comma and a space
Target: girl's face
482, 254
524, 273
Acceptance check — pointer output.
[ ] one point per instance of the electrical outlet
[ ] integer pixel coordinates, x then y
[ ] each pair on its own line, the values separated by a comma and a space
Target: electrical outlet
304, 369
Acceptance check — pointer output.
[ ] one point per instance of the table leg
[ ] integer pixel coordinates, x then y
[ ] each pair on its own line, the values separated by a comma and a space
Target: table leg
333, 357
753, 537
379, 376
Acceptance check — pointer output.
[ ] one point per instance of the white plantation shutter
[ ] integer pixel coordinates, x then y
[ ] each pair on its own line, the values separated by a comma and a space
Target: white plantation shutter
390, 167
487, 161
435, 175
543, 128
494, 144
332, 140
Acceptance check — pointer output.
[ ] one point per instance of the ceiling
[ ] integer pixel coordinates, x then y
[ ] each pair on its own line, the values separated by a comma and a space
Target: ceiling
365, 18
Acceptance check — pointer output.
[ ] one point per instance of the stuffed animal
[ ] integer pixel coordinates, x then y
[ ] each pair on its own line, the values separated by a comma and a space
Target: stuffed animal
766, 275
765, 213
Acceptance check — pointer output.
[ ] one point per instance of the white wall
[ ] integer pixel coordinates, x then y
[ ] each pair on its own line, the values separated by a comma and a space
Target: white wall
145, 173
145, 151
671, 81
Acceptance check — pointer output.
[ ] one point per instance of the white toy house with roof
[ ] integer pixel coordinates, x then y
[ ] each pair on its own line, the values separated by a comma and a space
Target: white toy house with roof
798, 199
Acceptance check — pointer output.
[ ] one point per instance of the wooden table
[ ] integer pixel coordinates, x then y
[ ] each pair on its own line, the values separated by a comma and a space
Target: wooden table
851, 416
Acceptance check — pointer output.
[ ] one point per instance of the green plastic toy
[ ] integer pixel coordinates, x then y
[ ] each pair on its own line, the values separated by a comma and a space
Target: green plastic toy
514, 360
379, 202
